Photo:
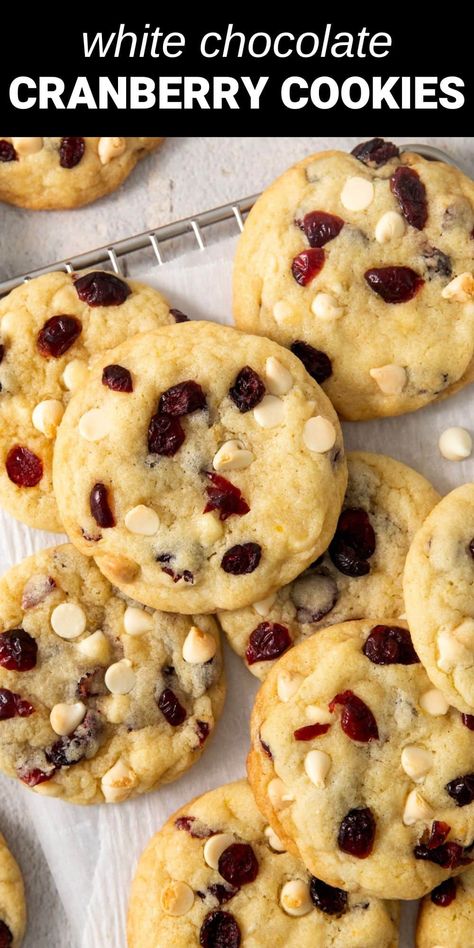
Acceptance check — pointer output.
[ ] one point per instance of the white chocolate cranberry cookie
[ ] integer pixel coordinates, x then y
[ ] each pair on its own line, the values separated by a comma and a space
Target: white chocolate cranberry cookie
446, 916
12, 900
217, 476
50, 328
100, 699
216, 876
438, 587
359, 575
362, 264
358, 767
54, 173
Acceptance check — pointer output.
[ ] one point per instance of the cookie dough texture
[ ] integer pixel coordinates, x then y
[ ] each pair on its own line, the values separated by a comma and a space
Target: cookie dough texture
360, 775
438, 584
12, 896
36, 179
125, 729
430, 337
397, 500
294, 493
29, 378
448, 926
174, 855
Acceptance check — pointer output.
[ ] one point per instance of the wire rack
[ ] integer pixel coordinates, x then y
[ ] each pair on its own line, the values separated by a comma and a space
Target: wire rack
113, 254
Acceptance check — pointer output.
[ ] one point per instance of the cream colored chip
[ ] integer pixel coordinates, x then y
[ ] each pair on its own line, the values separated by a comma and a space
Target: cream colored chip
282, 312
120, 677
95, 424
391, 379
75, 374
263, 606
208, 528
274, 841
199, 646
357, 193
109, 148
142, 520
215, 846
434, 703
270, 412
318, 715
137, 621
278, 379
177, 898
461, 289
452, 652
319, 434
416, 762
278, 794
389, 227
27, 146
65, 718
47, 415
317, 765
118, 783
232, 456
96, 647
295, 898
324, 306
68, 620
455, 444
116, 708
416, 808
288, 684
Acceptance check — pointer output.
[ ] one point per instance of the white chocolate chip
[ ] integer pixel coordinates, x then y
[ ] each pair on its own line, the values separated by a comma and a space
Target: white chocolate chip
274, 841
282, 312
116, 708
232, 456
434, 703
270, 412
465, 633
208, 528
215, 846
319, 434
177, 898
357, 193
390, 226
324, 306
263, 606
318, 715
461, 289
278, 379
96, 647
416, 808
142, 520
118, 783
111, 148
27, 146
68, 620
391, 379
288, 684
416, 762
95, 424
65, 718
452, 652
75, 374
278, 794
136, 621
455, 444
47, 415
198, 646
317, 765
295, 898
120, 677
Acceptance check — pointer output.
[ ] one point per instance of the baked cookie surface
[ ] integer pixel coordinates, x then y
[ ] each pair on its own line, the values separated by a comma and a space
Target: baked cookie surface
363, 266
12, 899
212, 877
100, 699
446, 916
197, 488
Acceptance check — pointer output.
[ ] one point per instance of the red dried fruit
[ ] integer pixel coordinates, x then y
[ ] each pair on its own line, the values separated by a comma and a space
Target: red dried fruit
306, 266
353, 543
100, 507
436, 835
238, 864
23, 467
170, 707
242, 558
165, 435
58, 334
202, 731
444, 894
219, 930
36, 590
410, 192
448, 855
221, 893
33, 776
71, 151
461, 789
317, 364
375, 152
247, 390
357, 720
267, 642
437, 263
82, 744
390, 645
178, 316
6, 937
2, 353
468, 721
100, 288
320, 227
182, 399
18, 650
310, 731
357, 833
92, 684
117, 378
394, 284
12, 705
7, 151
186, 575
197, 832
266, 748
224, 497
327, 898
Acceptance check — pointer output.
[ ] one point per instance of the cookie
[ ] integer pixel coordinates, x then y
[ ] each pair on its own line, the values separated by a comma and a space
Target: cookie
12, 900
54, 173
100, 699
359, 575
50, 328
200, 487
438, 583
354, 767
216, 875
362, 264
446, 916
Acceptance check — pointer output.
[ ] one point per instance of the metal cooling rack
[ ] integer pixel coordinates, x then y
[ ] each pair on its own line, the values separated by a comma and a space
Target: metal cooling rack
113, 254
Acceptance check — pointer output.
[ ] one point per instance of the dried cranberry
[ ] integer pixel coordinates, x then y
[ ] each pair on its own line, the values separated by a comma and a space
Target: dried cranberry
468, 721
84, 742
266, 748
71, 151
238, 864
224, 497
375, 152
447, 855
219, 930
317, 364
353, 543
306, 266
438, 833
410, 192
202, 731
2, 353
92, 684
165, 435
58, 334
7, 151
320, 227
444, 894
247, 390
241, 558
170, 707
327, 898
357, 720
12, 705
310, 731
100, 288
357, 832
100, 507
394, 284
178, 316
197, 832
221, 893
390, 645
34, 776
437, 263
24, 468
18, 650
182, 399
267, 642
461, 789
6, 937
117, 378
